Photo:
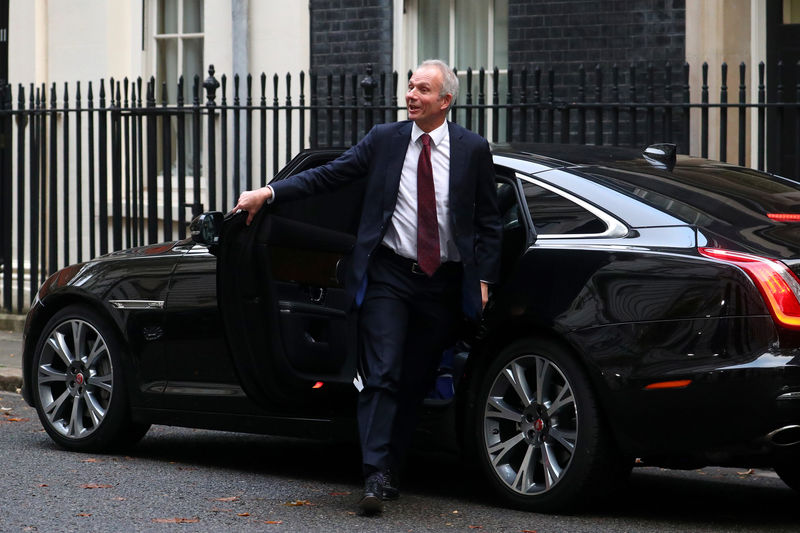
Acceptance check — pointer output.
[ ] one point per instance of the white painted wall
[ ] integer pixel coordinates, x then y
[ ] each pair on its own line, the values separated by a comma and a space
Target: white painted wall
58, 41
731, 31
66, 41
279, 37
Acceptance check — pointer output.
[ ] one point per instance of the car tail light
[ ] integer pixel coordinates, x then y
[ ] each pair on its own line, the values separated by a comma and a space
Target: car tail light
784, 217
778, 285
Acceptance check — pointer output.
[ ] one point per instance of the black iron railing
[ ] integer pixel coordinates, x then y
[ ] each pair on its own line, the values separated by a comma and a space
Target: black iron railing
111, 165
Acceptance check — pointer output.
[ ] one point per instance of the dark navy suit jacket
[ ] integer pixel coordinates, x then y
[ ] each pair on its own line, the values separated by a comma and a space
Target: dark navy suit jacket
378, 159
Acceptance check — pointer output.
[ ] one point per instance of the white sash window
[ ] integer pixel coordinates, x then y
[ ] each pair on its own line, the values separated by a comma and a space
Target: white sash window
465, 33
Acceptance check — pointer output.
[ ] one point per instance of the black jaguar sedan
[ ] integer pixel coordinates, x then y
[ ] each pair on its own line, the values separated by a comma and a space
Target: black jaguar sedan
649, 311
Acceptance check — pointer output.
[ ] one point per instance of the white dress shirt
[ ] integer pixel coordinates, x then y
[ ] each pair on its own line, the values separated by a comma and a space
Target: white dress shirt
401, 235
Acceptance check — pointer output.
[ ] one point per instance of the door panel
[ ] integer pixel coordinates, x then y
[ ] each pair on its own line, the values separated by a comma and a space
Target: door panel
301, 263
282, 299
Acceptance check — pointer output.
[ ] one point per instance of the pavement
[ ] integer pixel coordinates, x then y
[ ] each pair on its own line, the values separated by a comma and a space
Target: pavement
11, 351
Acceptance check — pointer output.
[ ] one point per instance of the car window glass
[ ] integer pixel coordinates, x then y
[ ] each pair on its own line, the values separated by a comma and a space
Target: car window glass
507, 205
553, 214
338, 211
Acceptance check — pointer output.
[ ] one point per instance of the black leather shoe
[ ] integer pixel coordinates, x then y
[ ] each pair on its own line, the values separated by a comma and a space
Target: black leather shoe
390, 491
372, 501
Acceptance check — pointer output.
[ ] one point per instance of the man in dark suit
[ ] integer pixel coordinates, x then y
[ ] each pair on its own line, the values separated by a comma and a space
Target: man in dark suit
427, 248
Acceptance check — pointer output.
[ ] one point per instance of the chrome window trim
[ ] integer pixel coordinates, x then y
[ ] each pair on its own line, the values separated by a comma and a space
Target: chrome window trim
614, 227
137, 304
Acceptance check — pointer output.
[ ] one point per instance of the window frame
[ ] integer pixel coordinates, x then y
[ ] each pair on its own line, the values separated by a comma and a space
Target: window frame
406, 47
614, 227
153, 38
407, 40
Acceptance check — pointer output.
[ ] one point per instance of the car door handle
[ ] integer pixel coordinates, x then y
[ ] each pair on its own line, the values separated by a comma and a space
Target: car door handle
316, 294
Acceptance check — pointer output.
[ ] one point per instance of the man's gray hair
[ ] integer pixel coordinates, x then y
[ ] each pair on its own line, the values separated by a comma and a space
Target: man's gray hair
449, 78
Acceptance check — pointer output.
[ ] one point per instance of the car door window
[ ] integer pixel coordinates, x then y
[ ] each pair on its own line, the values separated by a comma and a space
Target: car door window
507, 205
554, 214
337, 211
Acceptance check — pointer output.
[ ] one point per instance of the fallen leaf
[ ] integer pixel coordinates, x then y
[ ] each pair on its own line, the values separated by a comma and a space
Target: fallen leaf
345, 493
747, 472
84, 514
5, 409
242, 514
273, 521
297, 503
15, 419
91, 460
227, 499
176, 520
455, 512
528, 531
43, 485
120, 499
96, 486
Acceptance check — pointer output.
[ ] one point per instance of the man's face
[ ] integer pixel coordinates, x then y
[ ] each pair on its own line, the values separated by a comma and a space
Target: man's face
425, 106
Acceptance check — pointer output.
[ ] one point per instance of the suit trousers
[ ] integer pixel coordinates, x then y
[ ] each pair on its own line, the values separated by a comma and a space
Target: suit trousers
406, 321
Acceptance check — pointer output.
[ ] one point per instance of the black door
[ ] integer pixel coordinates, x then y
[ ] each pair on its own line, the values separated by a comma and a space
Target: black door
283, 302
783, 45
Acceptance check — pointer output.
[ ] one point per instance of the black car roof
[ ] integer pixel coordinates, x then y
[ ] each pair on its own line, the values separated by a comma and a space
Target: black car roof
614, 157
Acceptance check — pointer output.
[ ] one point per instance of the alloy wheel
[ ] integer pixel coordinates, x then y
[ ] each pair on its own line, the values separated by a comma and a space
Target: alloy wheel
74, 378
530, 424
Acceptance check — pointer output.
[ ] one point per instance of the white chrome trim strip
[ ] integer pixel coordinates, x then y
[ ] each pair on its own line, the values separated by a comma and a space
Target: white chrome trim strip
614, 228
137, 304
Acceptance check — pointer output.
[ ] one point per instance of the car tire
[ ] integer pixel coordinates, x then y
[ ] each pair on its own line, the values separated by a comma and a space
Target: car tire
539, 436
78, 382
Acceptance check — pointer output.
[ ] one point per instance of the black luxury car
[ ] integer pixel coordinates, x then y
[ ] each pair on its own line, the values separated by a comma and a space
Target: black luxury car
648, 312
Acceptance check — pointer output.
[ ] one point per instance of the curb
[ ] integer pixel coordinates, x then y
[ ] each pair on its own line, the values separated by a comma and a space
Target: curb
10, 383
11, 378
12, 322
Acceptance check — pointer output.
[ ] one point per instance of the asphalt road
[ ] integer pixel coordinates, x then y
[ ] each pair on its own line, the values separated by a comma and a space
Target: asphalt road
192, 480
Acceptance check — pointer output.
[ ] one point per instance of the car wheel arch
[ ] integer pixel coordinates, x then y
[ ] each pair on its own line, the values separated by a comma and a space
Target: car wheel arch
519, 332
50, 307
113, 424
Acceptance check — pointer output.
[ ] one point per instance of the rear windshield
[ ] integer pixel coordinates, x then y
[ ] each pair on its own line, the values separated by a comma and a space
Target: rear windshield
698, 194
742, 204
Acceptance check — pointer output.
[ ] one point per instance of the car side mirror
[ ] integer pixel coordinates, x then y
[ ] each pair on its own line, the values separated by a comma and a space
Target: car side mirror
661, 155
206, 228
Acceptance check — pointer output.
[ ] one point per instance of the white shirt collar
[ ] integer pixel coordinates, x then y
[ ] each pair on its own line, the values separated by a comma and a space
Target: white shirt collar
437, 135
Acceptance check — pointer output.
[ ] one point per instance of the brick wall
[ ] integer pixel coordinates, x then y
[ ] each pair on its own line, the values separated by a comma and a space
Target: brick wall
563, 34
346, 36
350, 34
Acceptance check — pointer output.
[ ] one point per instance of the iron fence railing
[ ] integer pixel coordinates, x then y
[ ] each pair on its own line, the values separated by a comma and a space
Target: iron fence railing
101, 167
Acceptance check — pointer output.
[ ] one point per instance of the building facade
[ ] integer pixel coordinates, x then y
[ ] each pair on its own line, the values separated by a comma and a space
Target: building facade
293, 56
85, 40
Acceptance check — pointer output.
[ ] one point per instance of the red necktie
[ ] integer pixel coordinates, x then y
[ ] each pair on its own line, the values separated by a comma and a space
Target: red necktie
427, 225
